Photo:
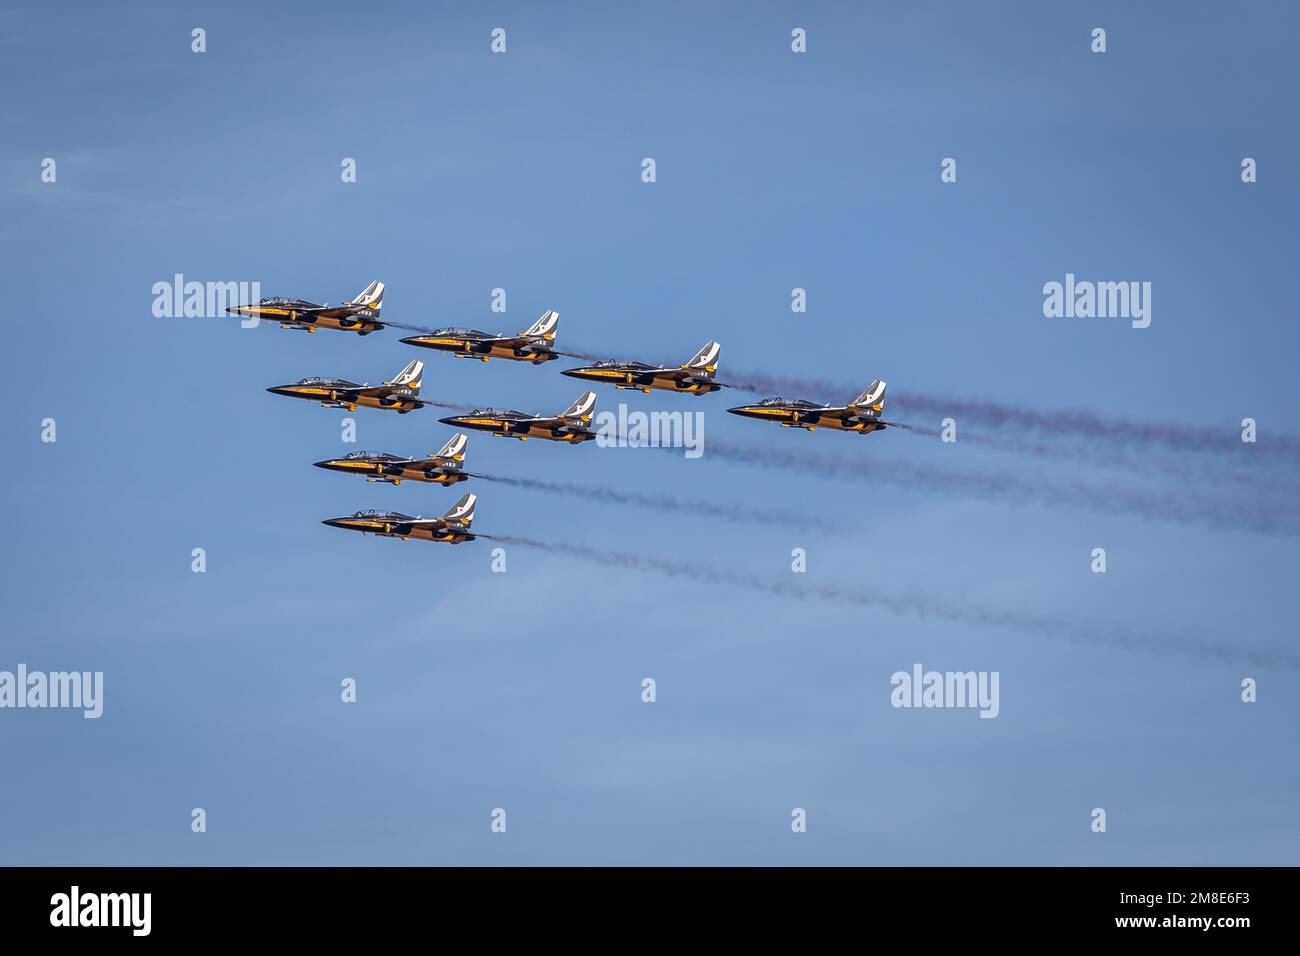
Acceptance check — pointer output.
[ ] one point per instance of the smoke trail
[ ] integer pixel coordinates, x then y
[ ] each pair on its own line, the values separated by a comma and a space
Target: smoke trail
997, 415
1184, 507
1049, 423
410, 328
925, 606
1192, 472
667, 503
1052, 424
585, 356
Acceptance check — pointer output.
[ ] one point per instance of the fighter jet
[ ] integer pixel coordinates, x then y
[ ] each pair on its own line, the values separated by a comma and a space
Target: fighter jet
570, 425
453, 527
534, 344
695, 377
361, 315
401, 394
861, 415
440, 467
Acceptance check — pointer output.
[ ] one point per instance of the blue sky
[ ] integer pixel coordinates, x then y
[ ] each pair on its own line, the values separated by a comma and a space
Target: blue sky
522, 171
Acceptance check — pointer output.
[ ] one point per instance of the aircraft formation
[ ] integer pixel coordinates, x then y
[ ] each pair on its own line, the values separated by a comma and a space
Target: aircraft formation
536, 344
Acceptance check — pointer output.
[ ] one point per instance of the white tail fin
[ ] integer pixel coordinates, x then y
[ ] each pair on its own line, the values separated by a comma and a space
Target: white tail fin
454, 449
582, 408
546, 326
372, 296
873, 397
409, 376
706, 359
462, 512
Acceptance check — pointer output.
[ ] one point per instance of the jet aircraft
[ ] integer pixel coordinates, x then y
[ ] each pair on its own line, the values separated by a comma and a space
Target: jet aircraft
570, 425
361, 315
453, 527
695, 377
535, 344
861, 415
401, 394
441, 467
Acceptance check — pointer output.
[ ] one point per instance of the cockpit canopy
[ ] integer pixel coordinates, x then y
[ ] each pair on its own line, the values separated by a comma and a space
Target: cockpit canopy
280, 300
395, 516
460, 333
500, 413
317, 380
619, 363
789, 401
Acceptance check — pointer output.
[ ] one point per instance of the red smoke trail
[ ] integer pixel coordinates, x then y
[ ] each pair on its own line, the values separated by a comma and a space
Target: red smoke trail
666, 503
1049, 423
1184, 507
924, 606
1198, 472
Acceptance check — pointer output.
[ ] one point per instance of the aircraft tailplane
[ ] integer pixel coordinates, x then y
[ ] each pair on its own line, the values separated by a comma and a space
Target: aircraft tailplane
546, 327
454, 449
581, 409
371, 297
706, 360
410, 376
462, 512
873, 398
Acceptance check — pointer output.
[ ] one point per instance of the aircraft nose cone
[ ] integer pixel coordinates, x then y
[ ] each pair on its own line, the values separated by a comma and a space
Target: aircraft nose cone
409, 340
278, 390
334, 522
321, 464
450, 420
573, 372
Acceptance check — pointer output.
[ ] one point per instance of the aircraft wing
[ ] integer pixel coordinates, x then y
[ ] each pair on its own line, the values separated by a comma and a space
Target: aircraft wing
685, 375
676, 374
343, 390
551, 421
511, 341
853, 415
342, 313
557, 422
380, 391
331, 309
433, 524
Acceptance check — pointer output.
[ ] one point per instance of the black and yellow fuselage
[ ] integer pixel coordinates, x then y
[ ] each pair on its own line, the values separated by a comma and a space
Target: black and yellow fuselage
483, 347
393, 525
349, 397
506, 426
810, 417
645, 378
309, 317
394, 470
